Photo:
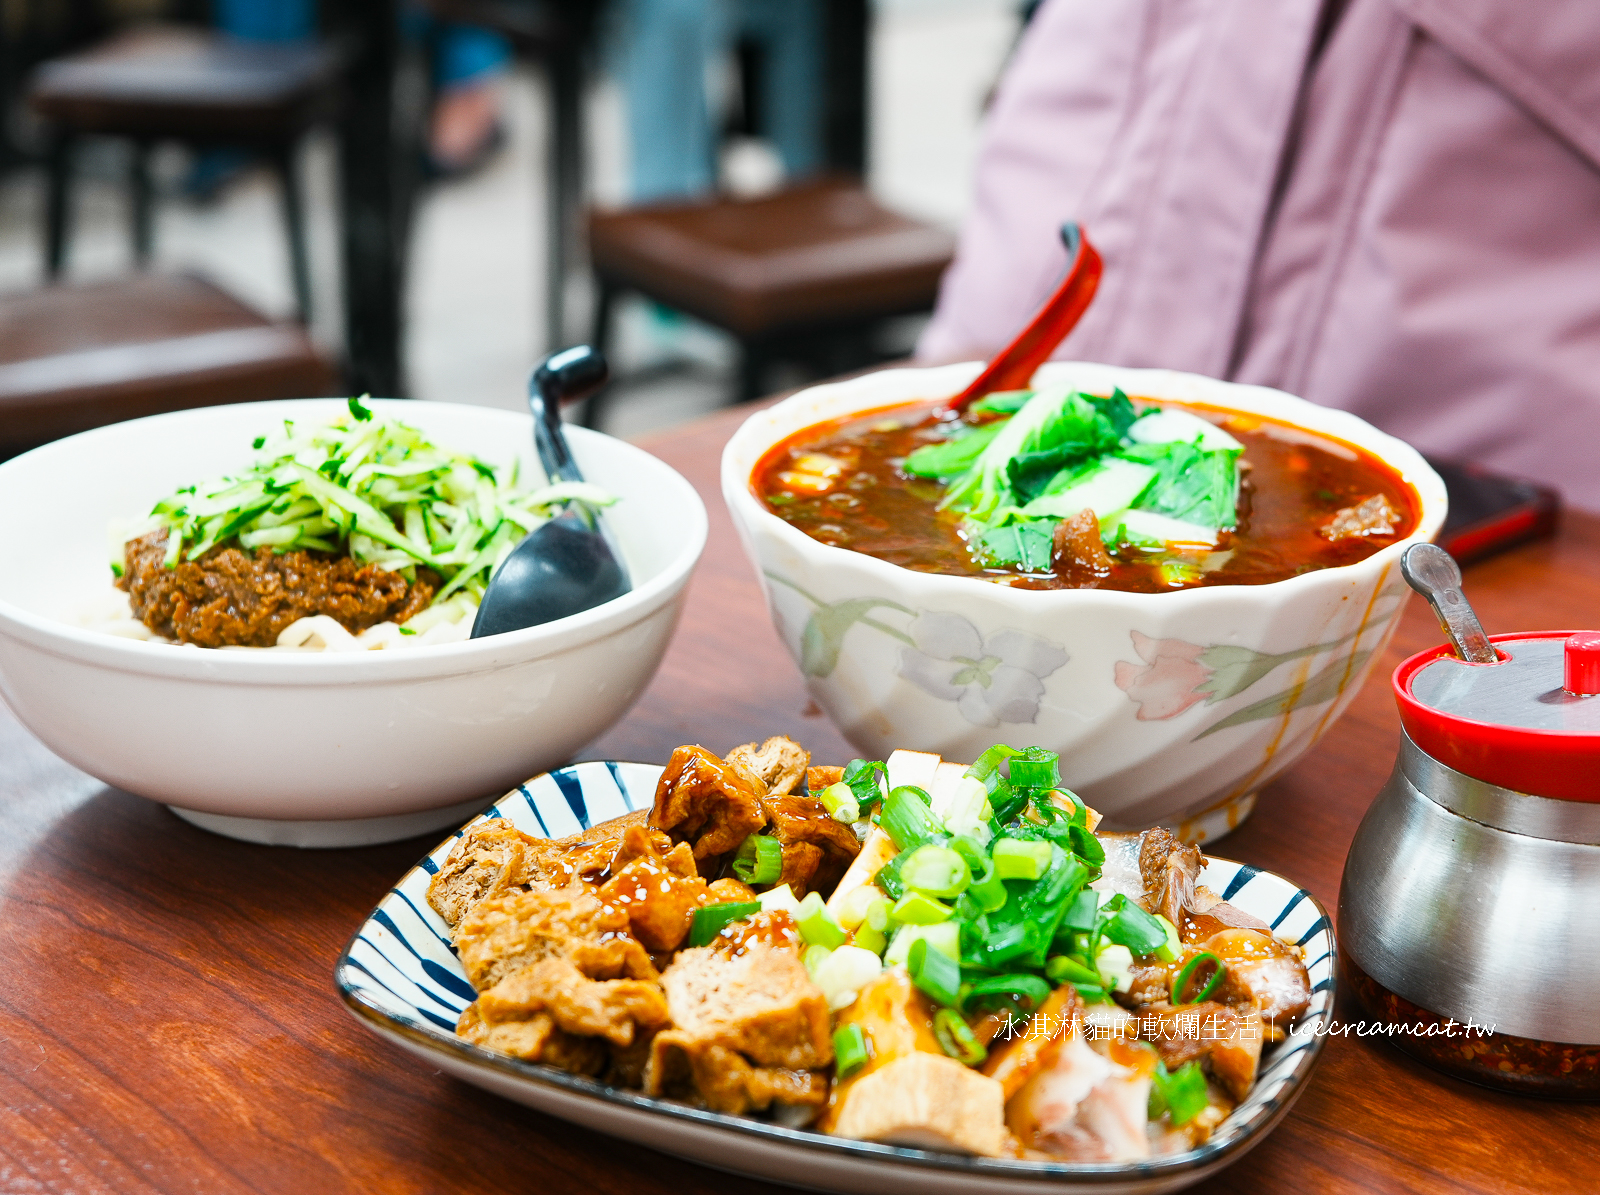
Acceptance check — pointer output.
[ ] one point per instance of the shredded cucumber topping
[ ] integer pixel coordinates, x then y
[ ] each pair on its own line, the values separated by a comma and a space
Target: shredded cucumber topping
373, 487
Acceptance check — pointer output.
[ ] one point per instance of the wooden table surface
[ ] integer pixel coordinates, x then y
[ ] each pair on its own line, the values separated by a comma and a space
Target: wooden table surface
168, 1020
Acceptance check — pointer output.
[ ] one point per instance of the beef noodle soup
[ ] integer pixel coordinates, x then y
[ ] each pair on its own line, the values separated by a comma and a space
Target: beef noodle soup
1071, 490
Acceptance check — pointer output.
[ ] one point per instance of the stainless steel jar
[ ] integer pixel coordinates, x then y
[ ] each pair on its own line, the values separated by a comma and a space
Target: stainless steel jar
1469, 913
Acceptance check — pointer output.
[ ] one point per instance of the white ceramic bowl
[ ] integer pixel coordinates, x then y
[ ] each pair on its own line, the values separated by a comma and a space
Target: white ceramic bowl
401, 979
1170, 707
317, 749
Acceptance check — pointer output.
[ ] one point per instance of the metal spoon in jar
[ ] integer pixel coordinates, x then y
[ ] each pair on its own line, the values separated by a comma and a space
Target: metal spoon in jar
1433, 573
569, 564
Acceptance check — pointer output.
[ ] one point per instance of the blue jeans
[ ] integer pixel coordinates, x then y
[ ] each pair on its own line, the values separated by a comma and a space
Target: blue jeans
667, 46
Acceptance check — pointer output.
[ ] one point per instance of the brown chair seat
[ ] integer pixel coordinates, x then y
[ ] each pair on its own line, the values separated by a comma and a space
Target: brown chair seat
77, 357
188, 84
160, 83
817, 254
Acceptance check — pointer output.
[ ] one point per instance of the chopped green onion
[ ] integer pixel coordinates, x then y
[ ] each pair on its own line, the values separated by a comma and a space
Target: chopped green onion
1027, 991
1020, 859
1086, 845
934, 972
870, 938
1181, 980
956, 1037
987, 890
1131, 926
888, 876
944, 937
840, 802
1062, 969
1173, 947
817, 925
813, 958
853, 909
907, 819
1082, 911
849, 1050
866, 778
760, 860
710, 920
1093, 993
936, 871
1036, 769
916, 909
1182, 1092
1115, 964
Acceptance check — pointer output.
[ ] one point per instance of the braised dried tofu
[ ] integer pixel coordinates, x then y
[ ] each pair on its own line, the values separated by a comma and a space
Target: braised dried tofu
658, 889
748, 1027
817, 850
494, 858
560, 956
780, 763
704, 801
660, 951
927, 1101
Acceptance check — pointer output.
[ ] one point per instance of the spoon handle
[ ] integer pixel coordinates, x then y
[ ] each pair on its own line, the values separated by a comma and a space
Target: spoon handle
1433, 573
565, 376
1013, 368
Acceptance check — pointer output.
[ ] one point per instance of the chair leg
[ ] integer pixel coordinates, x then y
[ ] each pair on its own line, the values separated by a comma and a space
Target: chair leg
287, 162
58, 204
594, 408
753, 362
140, 204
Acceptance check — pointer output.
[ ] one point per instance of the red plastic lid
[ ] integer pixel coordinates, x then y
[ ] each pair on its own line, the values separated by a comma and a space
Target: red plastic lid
1527, 728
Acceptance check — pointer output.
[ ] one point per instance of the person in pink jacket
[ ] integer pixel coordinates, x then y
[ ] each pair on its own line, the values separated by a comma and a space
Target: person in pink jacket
1389, 206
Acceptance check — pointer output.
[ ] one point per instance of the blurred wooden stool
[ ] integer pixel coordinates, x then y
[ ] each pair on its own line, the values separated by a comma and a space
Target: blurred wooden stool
77, 357
812, 260
167, 83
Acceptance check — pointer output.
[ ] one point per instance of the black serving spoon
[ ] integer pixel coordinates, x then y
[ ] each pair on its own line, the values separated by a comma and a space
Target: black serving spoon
568, 564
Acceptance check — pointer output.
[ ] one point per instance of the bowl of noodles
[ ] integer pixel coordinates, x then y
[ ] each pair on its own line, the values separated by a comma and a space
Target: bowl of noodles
260, 614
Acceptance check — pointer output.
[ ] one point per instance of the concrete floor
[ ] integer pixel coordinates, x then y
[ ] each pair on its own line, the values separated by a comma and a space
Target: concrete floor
474, 304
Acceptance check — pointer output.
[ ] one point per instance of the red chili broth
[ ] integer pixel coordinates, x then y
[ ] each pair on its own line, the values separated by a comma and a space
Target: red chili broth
1294, 483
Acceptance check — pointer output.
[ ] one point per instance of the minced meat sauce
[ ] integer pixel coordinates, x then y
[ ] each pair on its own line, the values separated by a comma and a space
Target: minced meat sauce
228, 598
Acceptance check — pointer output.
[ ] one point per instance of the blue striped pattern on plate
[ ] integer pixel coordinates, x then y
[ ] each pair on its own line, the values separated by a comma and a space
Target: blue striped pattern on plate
401, 978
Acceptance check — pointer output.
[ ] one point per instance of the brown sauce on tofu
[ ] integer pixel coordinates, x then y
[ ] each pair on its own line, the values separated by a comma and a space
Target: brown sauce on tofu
1306, 503
229, 598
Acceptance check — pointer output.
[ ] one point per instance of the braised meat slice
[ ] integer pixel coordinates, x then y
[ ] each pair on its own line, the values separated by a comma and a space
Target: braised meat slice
1373, 517
229, 598
1226, 1040
551, 967
1077, 554
780, 763
748, 1027
713, 805
1264, 974
1169, 869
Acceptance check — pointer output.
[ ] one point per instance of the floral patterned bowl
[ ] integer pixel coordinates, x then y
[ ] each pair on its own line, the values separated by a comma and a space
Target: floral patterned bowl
1168, 707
